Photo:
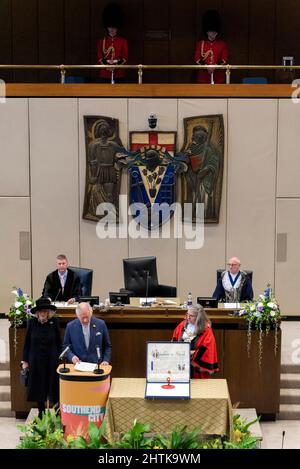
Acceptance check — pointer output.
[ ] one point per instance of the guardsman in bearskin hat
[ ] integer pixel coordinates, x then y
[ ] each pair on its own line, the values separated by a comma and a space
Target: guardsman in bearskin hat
211, 50
112, 49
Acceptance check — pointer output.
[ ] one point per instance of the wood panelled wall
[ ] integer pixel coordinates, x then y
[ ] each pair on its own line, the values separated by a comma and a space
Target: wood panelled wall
159, 32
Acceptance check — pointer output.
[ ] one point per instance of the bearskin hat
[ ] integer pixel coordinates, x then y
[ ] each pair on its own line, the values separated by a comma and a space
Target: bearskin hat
211, 21
113, 16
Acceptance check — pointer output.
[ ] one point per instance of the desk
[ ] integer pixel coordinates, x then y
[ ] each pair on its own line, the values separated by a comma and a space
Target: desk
209, 408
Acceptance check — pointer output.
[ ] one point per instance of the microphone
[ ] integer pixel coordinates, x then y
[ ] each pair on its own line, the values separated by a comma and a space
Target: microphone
64, 369
64, 352
98, 371
57, 295
147, 288
282, 441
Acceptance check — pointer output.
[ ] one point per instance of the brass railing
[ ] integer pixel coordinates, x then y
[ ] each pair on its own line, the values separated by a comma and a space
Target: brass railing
63, 69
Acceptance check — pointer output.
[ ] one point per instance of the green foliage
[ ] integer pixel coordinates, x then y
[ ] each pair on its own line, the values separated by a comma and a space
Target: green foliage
241, 424
134, 438
160, 442
242, 438
182, 439
247, 442
44, 433
29, 443
47, 433
214, 443
94, 440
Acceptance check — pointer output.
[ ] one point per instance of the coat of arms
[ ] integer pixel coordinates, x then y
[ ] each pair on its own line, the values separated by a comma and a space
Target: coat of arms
153, 171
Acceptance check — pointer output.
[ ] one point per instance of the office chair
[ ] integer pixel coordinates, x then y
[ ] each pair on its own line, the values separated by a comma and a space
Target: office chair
248, 272
254, 81
86, 279
136, 271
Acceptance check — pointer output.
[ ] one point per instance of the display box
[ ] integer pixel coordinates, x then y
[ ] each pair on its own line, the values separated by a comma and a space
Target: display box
168, 370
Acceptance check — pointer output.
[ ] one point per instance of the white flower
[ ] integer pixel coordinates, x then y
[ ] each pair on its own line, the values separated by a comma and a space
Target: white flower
253, 308
15, 292
260, 305
242, 312
262, 297
272, 313
257, 314
271, 305
28, 302
18, 311
18, 304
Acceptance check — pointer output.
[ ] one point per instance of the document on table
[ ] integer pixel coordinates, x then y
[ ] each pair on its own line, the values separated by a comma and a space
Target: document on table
85, 366
232, 305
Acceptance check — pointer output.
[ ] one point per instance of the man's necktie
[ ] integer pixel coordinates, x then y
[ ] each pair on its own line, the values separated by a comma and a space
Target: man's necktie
86, 333
62, 283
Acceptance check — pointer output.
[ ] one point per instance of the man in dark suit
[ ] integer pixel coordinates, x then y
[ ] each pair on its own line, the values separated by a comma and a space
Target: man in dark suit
63, 284
85, 335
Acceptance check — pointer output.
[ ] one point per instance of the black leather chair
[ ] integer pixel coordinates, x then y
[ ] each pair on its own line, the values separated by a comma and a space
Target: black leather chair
248, 272
86, 279
136, 271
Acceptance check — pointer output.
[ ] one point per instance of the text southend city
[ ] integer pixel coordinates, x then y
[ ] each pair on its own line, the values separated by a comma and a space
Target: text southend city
95, 413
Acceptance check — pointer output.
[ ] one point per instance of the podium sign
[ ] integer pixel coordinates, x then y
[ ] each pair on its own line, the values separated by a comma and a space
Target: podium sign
168, 370
83, 397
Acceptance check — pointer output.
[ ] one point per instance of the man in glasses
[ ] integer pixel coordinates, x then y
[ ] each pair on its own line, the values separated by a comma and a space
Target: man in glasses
234, 285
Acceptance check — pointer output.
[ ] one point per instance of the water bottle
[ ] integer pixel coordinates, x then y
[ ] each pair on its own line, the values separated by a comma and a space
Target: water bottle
189, 300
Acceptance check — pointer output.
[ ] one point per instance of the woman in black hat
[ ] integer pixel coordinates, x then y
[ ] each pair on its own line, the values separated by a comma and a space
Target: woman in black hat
112, 49
41, 351
211, 50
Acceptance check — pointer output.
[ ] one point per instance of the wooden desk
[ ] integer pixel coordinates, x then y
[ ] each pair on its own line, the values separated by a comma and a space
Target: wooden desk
131, 327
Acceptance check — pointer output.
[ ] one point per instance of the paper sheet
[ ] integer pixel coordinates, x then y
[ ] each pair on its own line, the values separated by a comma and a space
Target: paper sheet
85, 366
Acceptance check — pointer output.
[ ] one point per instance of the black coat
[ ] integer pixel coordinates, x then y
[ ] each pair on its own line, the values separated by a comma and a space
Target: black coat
52, 288
41, 350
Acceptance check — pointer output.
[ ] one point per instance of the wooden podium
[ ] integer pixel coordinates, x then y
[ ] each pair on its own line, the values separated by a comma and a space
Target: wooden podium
83, 397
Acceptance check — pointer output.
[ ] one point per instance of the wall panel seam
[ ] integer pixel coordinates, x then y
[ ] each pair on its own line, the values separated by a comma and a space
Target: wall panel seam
30, 193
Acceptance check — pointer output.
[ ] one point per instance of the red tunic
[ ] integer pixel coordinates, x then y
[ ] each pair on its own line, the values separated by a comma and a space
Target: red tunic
205, 360
211, 53
112, 48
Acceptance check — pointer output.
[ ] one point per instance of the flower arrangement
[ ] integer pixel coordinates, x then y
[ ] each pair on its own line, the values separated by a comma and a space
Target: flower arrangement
21, 307
262, 314
19, 311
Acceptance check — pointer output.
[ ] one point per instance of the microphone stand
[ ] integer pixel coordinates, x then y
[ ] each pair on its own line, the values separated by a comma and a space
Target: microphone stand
98, 371
64, 369
147, 287
112, 77
57, 295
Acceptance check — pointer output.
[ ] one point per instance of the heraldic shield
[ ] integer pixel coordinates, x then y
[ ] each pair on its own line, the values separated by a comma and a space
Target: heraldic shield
153, 177
204, 151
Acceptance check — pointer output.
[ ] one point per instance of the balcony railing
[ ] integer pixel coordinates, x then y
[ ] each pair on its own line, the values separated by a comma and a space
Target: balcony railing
63, 69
